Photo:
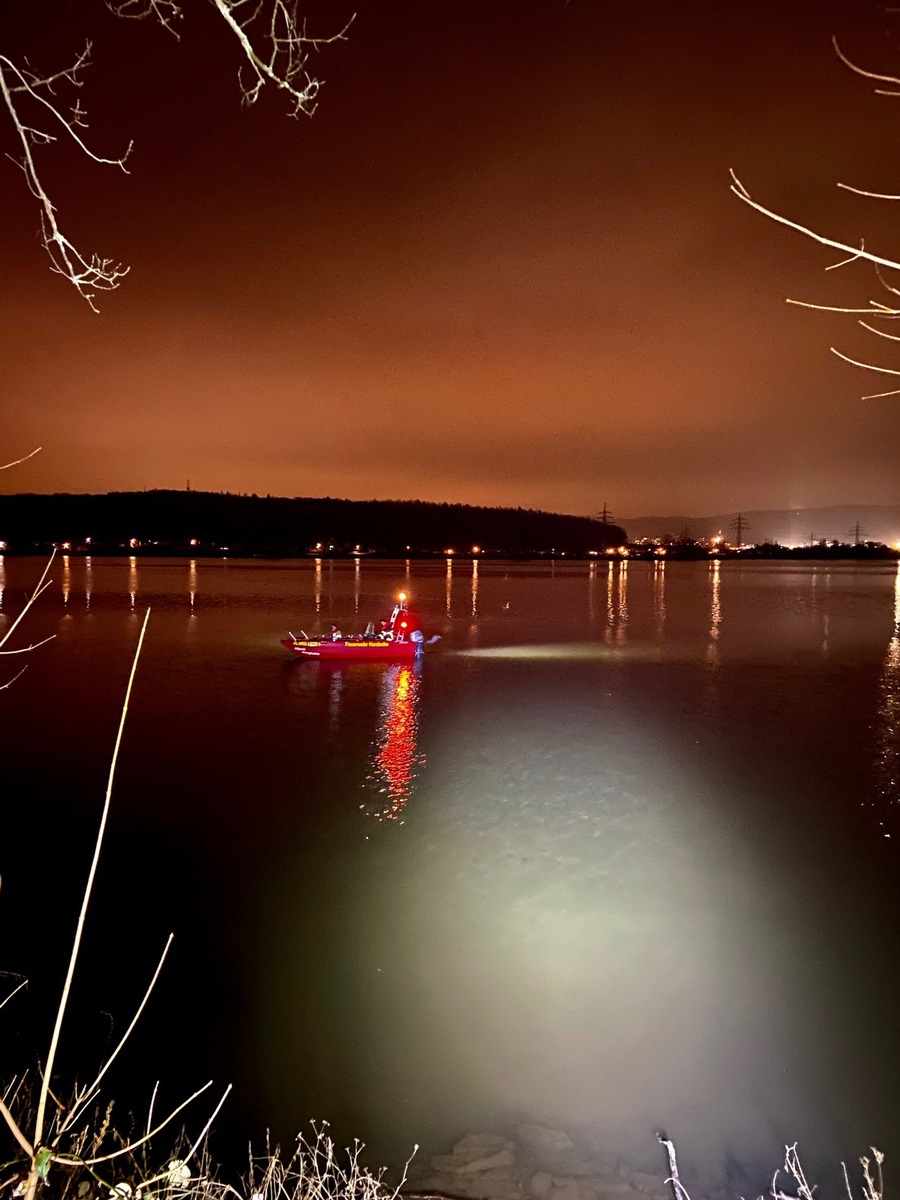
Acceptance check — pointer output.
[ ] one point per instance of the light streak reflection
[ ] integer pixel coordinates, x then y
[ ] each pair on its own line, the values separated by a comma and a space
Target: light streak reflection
396, 761
609, 632
659, 597
887, 733
192, 584
715, 613
449, 589
66, 579
132, 580
622, 607
317, 584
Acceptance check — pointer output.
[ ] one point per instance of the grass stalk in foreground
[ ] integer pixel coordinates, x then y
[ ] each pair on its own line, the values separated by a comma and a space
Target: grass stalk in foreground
42, 1139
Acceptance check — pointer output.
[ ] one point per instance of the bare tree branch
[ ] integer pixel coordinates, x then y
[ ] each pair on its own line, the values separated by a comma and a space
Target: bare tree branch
87, 275
273, 39
866, 74
165, 11
858, 253
282, 62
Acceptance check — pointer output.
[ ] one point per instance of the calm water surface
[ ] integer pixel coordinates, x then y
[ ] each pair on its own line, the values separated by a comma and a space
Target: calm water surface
622, 854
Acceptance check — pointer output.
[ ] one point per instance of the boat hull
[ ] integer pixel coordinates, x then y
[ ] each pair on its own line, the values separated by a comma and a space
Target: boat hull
352, 649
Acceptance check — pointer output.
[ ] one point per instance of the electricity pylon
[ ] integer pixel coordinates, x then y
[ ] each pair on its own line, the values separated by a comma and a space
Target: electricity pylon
605, 517
740, 524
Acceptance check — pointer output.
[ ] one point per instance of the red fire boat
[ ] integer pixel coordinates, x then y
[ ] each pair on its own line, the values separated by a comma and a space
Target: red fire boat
400, 639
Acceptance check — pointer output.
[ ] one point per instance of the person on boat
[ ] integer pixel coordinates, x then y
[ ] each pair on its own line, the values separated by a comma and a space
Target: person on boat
405, 624
336, 635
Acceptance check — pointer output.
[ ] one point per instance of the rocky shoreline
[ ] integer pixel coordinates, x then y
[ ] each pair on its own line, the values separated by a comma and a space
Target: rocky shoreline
540, 1163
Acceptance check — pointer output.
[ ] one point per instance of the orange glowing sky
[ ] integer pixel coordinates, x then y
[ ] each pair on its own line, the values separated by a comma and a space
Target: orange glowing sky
500, 265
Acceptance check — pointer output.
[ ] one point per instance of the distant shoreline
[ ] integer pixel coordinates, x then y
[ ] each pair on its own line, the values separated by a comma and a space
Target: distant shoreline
769, 552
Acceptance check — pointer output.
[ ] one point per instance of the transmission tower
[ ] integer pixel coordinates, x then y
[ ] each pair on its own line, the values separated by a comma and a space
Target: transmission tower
740, 525
605, 516
856, 532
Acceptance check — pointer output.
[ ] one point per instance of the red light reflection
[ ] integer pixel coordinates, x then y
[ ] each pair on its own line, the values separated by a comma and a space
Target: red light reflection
396, 761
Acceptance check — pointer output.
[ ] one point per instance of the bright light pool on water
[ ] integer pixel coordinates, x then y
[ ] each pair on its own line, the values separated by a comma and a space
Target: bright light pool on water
617, 856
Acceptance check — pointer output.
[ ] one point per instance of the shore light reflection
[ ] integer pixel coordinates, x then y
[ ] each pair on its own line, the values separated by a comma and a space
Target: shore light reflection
192, 583
715, 607
715, 613
357, 577
887, 736
449, 588
610, 605
659, 597
622, 607
88, 581
317, 584
592, 594
712, 698
66, 580
396, 760
132, 580
474, 587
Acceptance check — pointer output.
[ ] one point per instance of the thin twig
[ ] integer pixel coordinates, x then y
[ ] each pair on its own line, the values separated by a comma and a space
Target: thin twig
865, 366
19, 461
91, 1091
24, 982
76, 945
28, 649
674, 1178
205, 1130
42, 583
15, 1130
130, 1146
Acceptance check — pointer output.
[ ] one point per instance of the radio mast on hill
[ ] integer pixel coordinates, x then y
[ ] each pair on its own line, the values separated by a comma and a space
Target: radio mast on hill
740, 525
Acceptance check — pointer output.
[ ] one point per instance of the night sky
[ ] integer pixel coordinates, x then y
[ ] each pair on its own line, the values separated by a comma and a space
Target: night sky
500, 265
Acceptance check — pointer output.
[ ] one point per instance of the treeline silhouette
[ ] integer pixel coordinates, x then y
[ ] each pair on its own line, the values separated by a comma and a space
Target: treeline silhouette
161, 521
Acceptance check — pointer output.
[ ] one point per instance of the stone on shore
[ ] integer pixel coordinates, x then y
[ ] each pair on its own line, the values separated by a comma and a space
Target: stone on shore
502, 1158
543, 1164
540, 1185
542, 1140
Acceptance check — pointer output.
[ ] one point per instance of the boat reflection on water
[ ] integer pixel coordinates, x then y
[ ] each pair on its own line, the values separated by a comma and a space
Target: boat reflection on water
395, 761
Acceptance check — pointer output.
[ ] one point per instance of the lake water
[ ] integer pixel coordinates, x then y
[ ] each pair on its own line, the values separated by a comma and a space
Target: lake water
621, 855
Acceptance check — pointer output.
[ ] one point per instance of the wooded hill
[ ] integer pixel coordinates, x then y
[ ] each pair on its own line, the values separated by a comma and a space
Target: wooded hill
209, 522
